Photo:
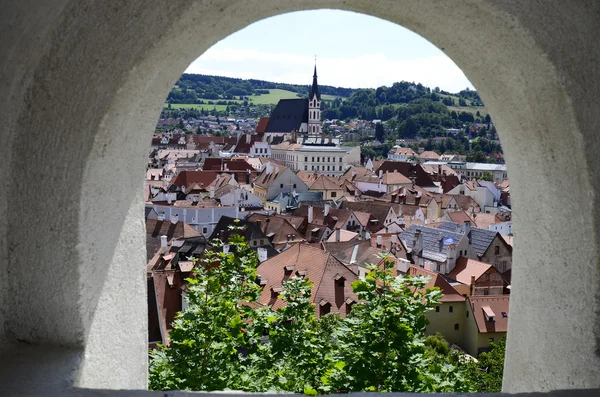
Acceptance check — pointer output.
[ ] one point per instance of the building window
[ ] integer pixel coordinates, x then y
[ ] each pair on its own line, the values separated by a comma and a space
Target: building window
491, 340
306, 159
340, 159
327, 168
254, 243
437, 309
312, 167
317, 159
497, 250
313, 159
294, 185
340, 167
467, 314
333, 194
281, 185
262, 242
204, 230
329, 159
456, 327
451, 309
305, 167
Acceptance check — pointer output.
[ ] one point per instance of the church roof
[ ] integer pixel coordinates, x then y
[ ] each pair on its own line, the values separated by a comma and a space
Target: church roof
315, 87
288, 115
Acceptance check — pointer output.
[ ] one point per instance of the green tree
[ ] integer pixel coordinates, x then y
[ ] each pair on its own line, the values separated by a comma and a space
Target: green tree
379, 132
486, 373
487, 177
207, 336
224, 341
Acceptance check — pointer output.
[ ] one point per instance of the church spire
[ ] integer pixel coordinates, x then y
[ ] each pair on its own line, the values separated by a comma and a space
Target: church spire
315, 86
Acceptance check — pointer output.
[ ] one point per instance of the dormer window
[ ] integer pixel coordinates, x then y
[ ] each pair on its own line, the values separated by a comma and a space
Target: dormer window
488, 313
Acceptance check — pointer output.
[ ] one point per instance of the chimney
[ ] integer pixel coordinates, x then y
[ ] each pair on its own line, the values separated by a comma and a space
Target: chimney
394, 241
467, 228
174, 218
417, 242
310, 214
163, 245
451, 257
439, 169
248, 138
161, 217
380, 174
326, 210
259, 224
262, 254
472, 289
379, 240
211, 191
337, 234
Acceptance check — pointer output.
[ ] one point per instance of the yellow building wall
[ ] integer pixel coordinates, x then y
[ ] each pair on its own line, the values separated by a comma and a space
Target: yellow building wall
474, 339
444, 322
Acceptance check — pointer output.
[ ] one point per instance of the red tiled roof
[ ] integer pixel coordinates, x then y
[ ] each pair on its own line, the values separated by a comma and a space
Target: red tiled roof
460, 217
495, 305
436, 280
465, 268
218, 164
261, 127
320, 267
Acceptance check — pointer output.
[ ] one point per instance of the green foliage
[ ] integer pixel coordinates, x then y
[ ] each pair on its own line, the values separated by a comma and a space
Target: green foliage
487, 177
223, 341
486, 372
438, 344
379, 132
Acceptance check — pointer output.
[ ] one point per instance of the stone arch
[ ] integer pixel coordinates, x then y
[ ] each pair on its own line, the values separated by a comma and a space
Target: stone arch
86, 81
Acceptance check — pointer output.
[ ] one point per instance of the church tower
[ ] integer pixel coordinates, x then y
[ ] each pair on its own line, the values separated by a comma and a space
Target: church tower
314, 108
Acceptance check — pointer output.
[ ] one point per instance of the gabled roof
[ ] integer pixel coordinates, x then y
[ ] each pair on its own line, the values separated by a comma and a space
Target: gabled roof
188, 177
318, 266
491, 305
262, 124
465, 268
219, 164
288, 115
485, 220
277, 229
269, 175
174, 231
336, 217
379, 210
250, 230
480, 238
435, 241
436, 280
323, 182
408, 170
429, 155
345, 235
460, 217
403, 151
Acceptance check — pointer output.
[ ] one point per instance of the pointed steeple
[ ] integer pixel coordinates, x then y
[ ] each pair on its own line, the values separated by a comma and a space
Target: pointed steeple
315, 86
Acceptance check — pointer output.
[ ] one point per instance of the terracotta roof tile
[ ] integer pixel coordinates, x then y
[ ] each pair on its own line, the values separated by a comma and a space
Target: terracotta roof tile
496, 305
319, 266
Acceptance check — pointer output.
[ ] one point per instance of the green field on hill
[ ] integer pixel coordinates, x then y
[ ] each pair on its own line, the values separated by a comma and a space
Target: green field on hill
272, 98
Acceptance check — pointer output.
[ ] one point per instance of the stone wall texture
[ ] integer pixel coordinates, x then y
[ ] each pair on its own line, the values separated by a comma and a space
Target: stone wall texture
83, 83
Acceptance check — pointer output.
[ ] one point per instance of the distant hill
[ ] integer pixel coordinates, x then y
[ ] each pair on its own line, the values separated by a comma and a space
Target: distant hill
408, 109
198, 88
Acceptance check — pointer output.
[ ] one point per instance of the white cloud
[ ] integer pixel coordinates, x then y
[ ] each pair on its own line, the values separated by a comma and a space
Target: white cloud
366, 71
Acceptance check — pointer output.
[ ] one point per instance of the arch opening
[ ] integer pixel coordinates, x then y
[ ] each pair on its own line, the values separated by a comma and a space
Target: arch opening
524, 53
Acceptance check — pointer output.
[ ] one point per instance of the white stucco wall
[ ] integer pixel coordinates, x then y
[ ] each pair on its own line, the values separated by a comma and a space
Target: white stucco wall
95, 74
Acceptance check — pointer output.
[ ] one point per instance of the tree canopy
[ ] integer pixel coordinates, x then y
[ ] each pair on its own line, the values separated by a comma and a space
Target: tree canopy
224, 340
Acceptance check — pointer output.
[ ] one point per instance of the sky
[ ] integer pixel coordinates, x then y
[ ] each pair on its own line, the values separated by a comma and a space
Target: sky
352, 50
